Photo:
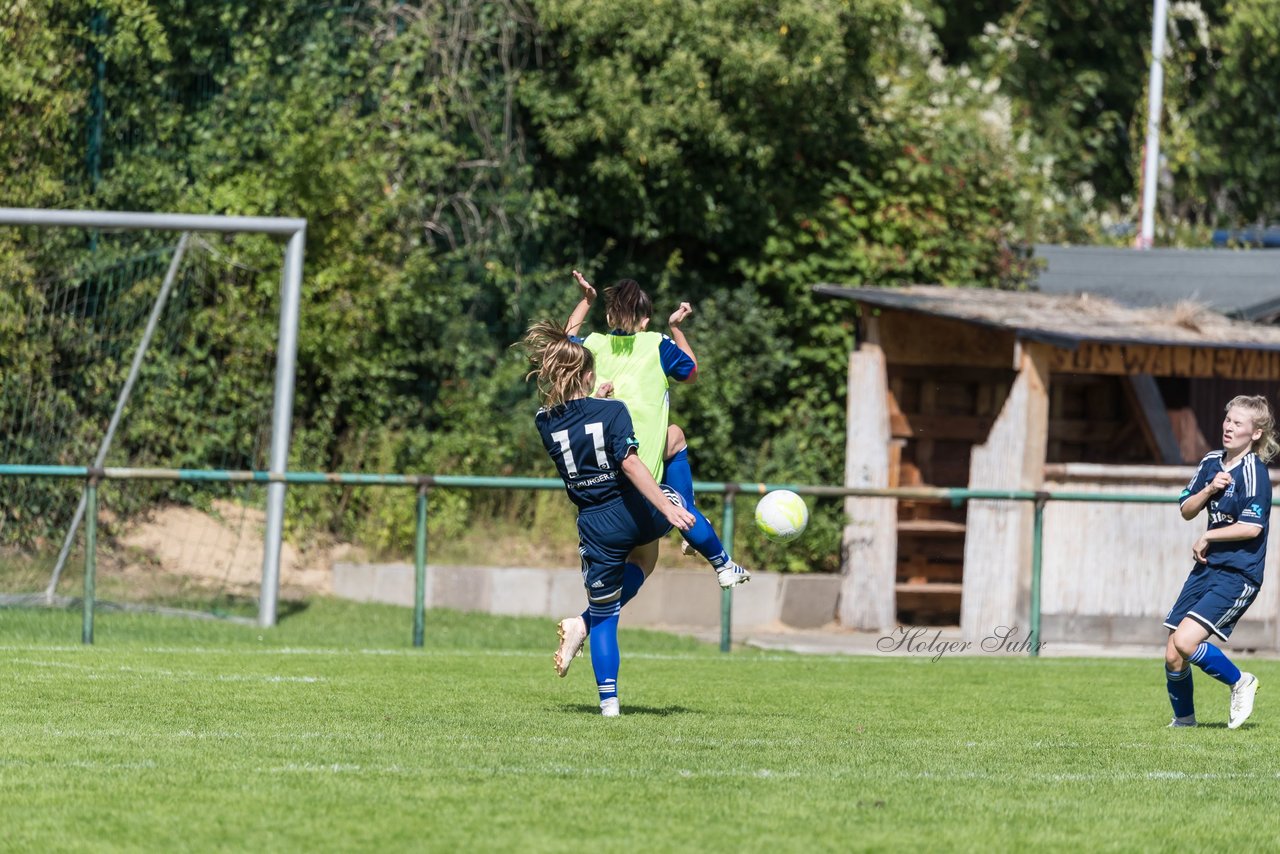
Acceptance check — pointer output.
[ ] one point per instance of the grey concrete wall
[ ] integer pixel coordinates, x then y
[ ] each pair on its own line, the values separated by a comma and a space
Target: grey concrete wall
1112, 630
671, 597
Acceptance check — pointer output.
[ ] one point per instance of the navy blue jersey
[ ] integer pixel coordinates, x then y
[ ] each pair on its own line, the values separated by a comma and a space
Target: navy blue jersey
588, 439
1246, 499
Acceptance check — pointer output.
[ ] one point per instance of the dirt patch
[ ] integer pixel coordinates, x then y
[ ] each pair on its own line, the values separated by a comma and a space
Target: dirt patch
223, 549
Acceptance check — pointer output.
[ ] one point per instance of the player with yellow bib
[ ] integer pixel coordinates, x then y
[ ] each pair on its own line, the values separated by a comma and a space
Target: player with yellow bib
636, 366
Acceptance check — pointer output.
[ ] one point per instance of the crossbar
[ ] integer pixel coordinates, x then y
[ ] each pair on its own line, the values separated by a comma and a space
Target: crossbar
280, 226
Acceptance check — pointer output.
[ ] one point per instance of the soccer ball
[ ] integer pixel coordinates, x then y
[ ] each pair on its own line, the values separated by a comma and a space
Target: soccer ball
782, 516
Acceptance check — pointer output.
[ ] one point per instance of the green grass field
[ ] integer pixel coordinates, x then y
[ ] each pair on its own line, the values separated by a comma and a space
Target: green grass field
330, 732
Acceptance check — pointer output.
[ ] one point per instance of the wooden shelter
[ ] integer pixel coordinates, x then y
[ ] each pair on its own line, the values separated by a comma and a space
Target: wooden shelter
1017, 390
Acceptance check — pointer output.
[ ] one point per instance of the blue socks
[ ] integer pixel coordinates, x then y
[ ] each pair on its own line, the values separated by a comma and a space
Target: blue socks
632, 579
701, 536
1214, 661
704, 540
679, 476
1181, 692
602, 622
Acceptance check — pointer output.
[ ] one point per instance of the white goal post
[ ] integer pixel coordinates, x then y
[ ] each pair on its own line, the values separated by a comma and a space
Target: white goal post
295, 230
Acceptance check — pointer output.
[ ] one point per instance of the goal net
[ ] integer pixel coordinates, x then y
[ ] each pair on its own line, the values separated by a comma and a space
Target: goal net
138, 349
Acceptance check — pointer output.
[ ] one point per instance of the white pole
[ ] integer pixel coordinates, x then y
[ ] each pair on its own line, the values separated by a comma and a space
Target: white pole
1155, 97
281, 424
159, 221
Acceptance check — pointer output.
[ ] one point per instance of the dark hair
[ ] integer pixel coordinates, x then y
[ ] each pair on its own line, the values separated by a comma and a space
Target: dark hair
627, 305
563, 367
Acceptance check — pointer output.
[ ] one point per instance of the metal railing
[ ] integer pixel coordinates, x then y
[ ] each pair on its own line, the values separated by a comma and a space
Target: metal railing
423, 484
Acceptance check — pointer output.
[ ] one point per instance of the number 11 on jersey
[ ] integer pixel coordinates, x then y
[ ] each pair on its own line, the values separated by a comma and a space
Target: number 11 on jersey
596, 431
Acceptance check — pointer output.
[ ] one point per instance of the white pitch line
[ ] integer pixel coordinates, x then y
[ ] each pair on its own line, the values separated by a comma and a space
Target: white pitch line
446, 654
627, 772
98, 672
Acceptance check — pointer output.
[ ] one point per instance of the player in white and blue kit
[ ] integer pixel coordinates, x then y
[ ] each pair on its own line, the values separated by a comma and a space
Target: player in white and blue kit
620, 505
1234, 485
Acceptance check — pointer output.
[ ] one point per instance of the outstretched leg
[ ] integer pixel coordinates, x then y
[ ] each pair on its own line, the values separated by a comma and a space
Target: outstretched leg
701, 537
1190, 643
677, 472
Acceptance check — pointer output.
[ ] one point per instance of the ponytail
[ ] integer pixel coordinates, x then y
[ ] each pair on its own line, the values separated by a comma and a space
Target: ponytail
563, 367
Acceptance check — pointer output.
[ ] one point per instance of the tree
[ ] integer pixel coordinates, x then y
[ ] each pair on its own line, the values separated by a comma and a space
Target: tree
680, 129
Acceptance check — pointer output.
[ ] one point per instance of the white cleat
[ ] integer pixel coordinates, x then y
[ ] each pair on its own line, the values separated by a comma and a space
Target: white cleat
609, 708
731, 575
1242, 694
1181, 722
573, 633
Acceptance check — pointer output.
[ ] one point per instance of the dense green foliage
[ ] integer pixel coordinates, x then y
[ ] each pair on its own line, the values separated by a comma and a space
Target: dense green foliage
455, 159
329, 733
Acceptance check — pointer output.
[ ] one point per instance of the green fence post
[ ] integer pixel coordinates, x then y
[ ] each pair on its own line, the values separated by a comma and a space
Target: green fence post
726, 594
90, 556
420, 568
1037, 552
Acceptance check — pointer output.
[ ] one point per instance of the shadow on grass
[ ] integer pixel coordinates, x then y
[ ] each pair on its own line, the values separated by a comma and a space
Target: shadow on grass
287, 608
236, 605
657, 711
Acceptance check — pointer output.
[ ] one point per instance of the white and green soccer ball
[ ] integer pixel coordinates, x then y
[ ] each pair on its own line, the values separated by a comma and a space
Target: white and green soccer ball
782, 515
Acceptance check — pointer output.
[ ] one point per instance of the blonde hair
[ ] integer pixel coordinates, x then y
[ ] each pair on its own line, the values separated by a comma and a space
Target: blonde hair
564, 368
1259, 410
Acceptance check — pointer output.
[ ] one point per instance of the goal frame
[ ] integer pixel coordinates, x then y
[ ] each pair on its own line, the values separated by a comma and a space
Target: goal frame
294, 230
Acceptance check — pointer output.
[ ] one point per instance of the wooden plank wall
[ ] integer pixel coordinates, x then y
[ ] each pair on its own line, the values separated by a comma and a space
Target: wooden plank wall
948, 380
936, 414
1135, 557
869, 543
997, 551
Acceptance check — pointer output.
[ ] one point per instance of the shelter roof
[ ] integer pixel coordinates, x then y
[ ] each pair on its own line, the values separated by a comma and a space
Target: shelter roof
1068, 320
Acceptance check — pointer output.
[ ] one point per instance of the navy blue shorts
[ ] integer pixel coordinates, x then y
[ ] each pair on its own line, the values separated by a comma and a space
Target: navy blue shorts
1214, 598
607, 534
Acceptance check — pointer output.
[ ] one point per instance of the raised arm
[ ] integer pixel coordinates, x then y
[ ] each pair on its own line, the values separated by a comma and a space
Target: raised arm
677, 335
584, 305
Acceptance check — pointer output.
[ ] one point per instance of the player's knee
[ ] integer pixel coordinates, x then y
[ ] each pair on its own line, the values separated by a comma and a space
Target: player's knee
675, 440
1184, 645
1173, 659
